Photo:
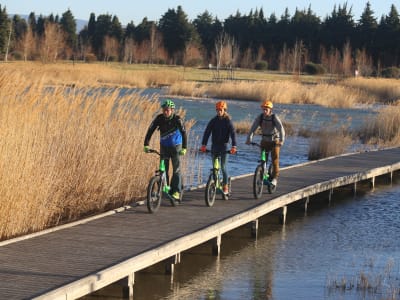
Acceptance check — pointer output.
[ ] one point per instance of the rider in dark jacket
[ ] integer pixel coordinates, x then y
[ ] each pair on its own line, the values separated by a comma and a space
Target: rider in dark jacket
173, 142
221, 128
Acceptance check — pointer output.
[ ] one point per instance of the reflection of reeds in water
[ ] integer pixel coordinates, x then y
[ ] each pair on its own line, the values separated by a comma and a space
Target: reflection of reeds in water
384, 284
64, 155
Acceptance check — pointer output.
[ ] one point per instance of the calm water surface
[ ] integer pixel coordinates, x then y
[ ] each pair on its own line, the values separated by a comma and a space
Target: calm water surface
321, 255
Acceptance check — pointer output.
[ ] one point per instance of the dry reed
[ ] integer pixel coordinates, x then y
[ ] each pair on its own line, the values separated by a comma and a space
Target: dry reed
283, 91
383, 129
378, 89
66, 152
328, 143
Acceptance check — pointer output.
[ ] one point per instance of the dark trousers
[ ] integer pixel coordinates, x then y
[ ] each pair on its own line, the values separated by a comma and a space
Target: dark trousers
172, 153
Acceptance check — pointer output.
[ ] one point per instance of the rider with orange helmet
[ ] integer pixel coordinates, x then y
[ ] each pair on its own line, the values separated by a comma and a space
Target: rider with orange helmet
273, 135
221, 129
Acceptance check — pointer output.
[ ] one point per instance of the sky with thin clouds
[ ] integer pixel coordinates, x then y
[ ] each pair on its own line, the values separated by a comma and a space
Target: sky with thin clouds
133, 10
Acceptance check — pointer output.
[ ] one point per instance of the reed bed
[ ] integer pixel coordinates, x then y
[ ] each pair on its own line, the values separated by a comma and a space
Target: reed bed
383, 129
68, 153
381, 90
369, 282
94, 75
284, 91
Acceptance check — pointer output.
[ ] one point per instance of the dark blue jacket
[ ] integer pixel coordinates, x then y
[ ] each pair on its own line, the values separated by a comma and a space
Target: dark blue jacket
172, 131
221, 128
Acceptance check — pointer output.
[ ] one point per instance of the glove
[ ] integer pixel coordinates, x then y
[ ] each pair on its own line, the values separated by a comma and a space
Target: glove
203, 148
182, 152
233, 150
146, 149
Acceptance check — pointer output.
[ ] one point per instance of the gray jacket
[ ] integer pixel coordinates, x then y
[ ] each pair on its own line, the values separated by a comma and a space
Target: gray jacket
271, 128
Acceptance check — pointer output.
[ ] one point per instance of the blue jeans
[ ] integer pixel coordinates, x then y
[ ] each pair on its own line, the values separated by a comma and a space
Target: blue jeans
223, 162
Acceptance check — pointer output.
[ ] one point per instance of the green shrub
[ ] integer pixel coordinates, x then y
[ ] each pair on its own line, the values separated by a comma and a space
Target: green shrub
314, 69
17, 55
391, 72
194, 62
261, 65
90, 57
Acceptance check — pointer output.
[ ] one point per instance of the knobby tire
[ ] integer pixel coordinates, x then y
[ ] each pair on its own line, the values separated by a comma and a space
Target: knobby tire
154, 194
258, 182
210, 192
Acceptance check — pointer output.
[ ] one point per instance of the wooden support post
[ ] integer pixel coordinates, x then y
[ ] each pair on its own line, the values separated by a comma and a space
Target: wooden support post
372, 183
283, 216
254, 228
330, 195
216, 245
171, 262
127, 286
354, 189
306, 204
391, 177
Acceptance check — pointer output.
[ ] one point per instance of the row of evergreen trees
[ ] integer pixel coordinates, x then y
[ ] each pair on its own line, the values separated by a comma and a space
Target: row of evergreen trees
285, 43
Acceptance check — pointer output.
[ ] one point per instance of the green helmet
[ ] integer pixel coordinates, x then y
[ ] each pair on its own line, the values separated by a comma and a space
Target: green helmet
168, 103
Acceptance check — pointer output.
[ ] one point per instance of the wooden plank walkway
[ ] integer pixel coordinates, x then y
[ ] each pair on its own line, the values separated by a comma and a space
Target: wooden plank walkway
77, 260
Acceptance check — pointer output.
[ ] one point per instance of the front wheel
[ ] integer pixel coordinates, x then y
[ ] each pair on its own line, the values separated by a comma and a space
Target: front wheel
210, 192
258, 182
154, 194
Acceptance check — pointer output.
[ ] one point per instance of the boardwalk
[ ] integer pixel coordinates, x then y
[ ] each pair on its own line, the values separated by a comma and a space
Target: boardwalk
77, 260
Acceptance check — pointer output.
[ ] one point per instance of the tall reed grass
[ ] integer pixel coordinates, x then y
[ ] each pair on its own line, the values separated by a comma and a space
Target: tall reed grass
68, 152
380, 89
283, 91
383, 129
94, 75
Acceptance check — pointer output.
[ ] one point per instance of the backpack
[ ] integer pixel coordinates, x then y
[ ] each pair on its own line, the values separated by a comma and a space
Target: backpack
262, 119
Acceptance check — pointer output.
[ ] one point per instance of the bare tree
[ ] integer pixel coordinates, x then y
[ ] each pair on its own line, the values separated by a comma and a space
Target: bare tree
110, 48
51, 43
129, 50
226, 54
347, 64
364, 63
8, 43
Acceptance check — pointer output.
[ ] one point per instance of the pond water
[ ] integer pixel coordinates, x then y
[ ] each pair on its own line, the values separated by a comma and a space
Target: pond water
347, 250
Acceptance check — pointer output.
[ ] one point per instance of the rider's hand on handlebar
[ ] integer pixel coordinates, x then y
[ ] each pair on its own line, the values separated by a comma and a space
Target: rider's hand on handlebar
233, 150
146, 149
203, 148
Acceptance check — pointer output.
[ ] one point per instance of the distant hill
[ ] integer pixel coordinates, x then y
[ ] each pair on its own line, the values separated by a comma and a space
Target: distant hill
80, 24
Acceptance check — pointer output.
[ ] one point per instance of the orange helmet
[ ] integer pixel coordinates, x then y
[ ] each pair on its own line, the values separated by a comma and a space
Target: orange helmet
221, 105
267, 104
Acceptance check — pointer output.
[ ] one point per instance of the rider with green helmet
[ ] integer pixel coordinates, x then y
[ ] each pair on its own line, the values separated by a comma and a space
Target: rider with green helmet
173, 142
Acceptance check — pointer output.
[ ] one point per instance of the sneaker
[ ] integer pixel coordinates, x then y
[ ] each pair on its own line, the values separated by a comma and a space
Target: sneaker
176, 195
225, 189
274, 182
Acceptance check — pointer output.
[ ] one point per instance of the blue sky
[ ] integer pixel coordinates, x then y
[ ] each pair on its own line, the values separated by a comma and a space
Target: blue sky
133, 10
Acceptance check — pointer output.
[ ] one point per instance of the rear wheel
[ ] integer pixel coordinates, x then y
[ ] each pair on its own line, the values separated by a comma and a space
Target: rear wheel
154, 194
210, 192
258, 182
